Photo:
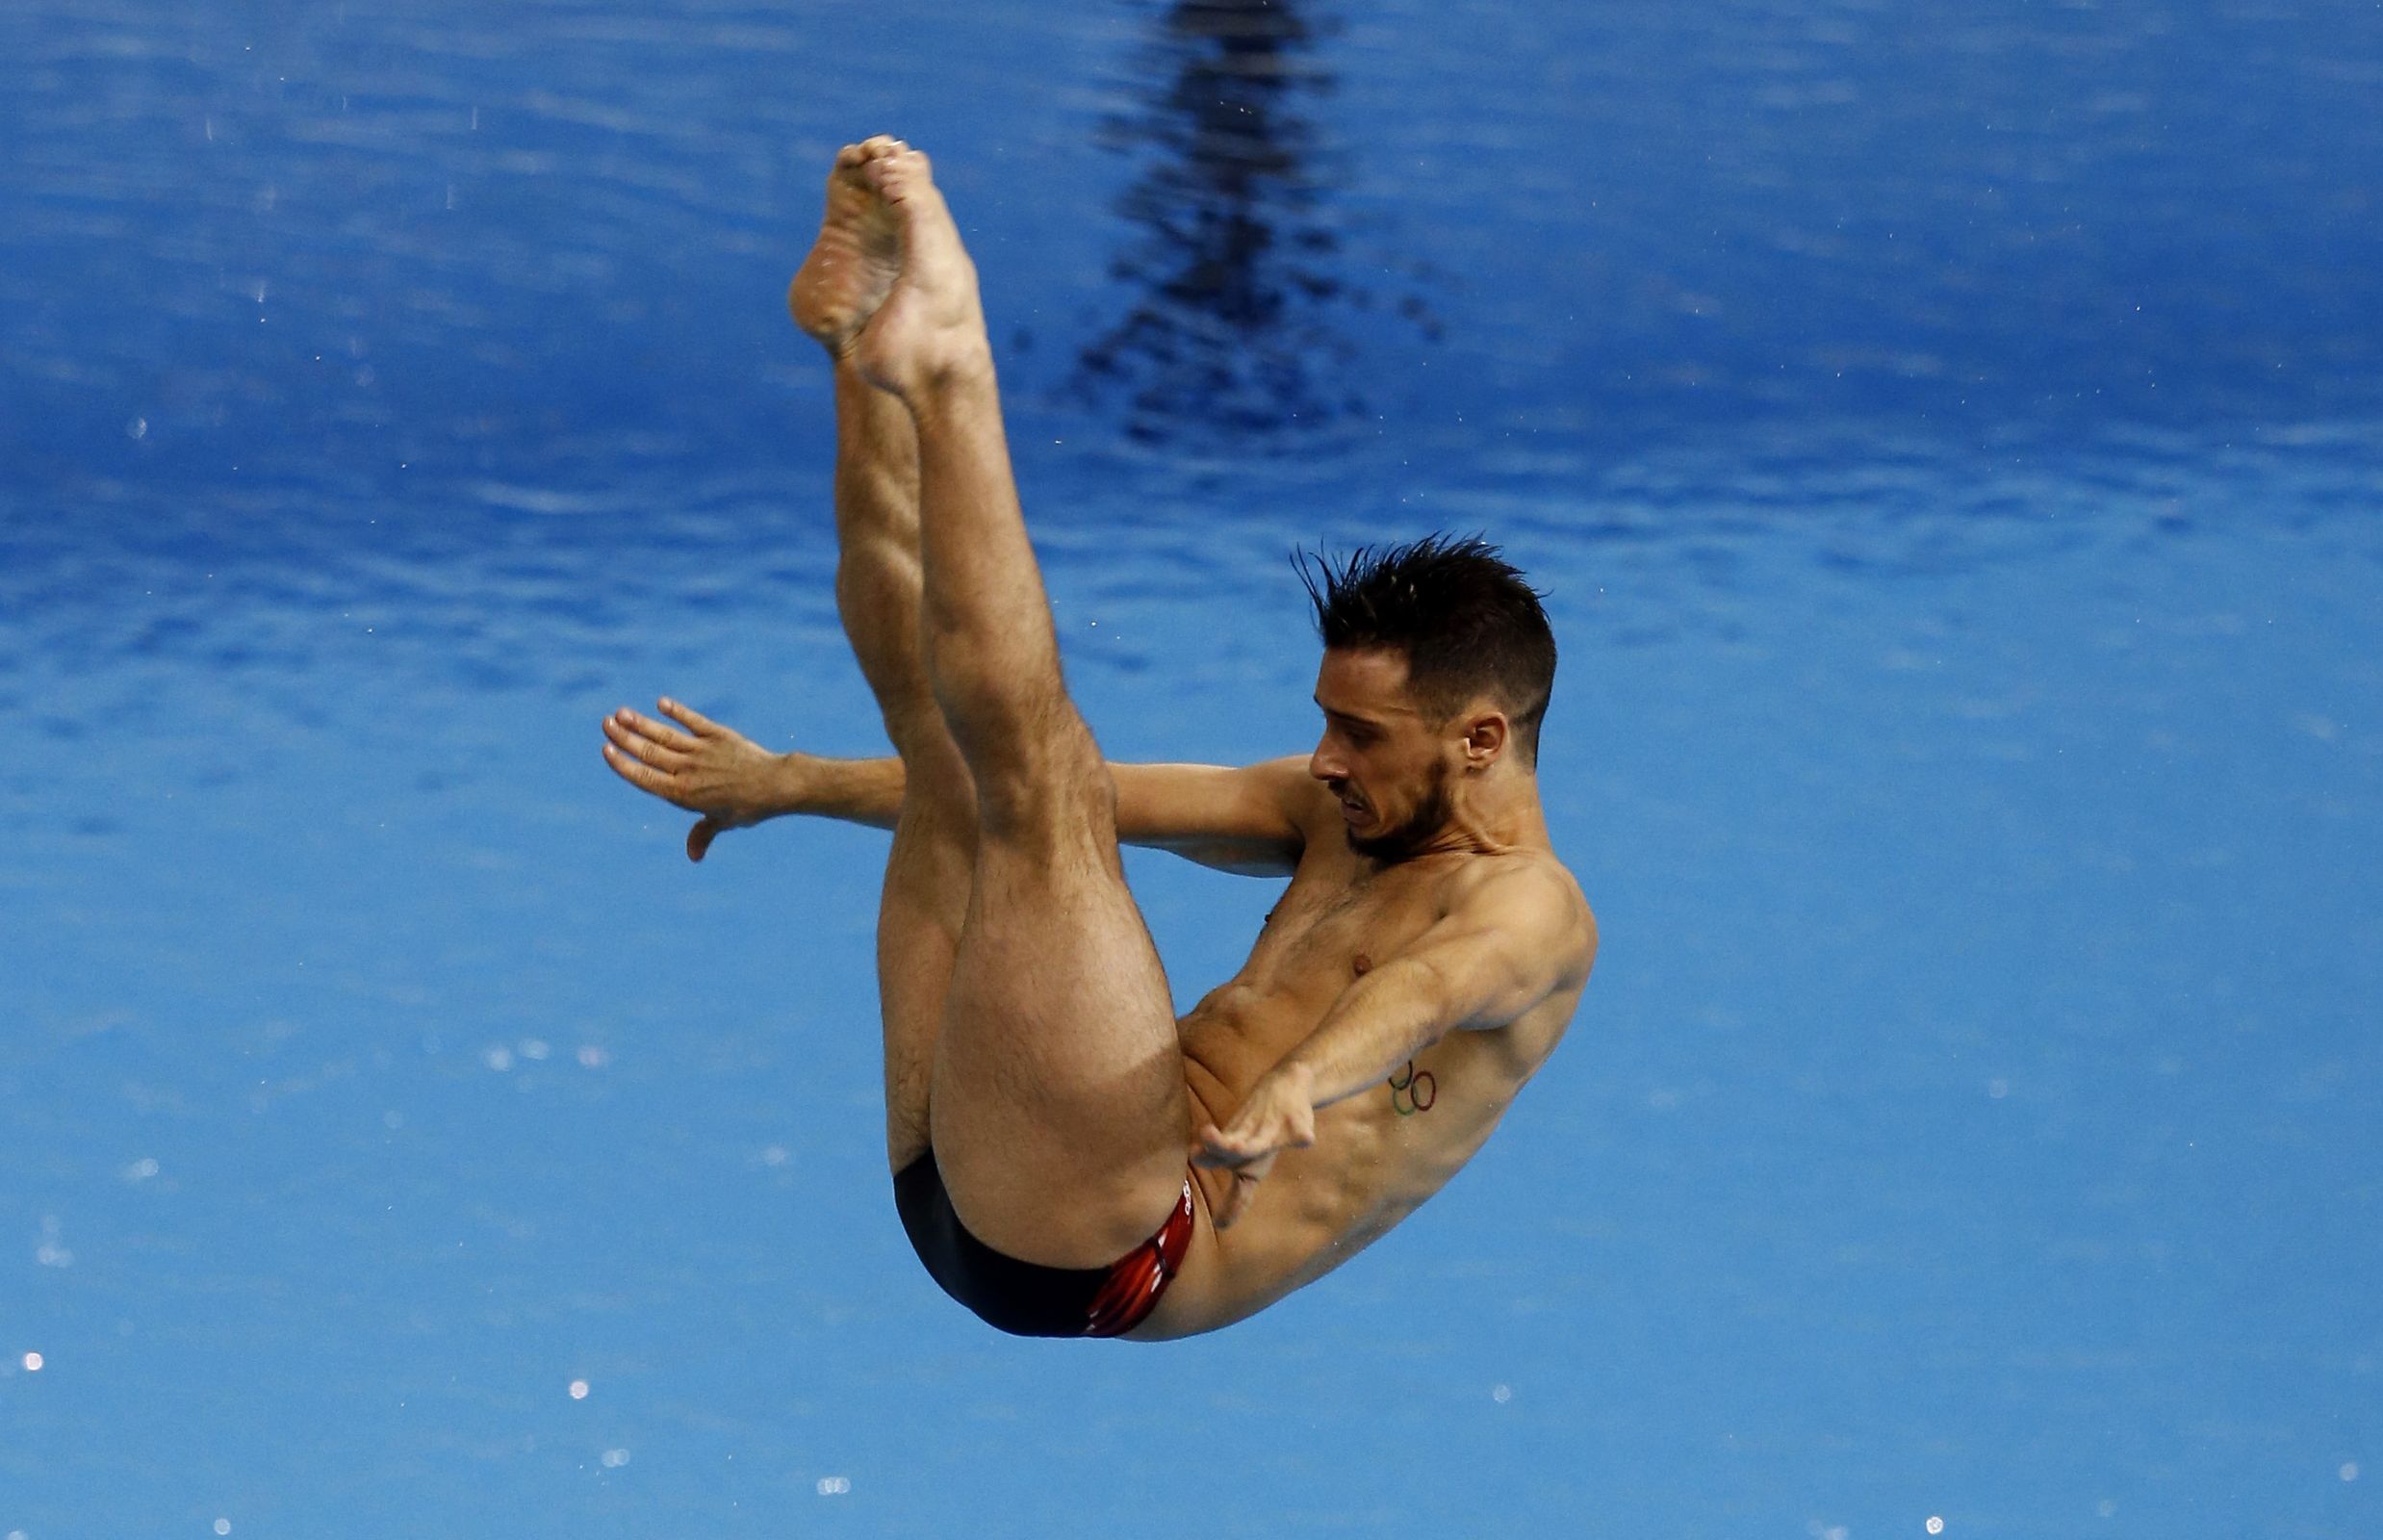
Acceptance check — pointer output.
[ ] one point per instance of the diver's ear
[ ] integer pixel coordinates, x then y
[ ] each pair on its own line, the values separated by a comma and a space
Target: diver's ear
1485, 740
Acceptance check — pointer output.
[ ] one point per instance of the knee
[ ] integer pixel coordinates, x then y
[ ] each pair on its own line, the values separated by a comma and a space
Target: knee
1050, 784
999, 722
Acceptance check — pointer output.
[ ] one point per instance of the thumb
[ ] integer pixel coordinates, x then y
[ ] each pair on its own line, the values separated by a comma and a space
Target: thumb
700, 837
1236, 1199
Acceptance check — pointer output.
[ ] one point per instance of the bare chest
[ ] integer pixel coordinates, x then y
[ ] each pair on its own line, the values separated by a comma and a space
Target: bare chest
1326, 932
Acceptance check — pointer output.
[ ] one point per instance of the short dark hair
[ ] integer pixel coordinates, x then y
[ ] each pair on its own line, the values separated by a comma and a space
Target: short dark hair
1466, 621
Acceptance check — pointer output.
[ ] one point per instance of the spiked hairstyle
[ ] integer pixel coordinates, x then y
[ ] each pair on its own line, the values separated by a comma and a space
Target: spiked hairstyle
1466, 621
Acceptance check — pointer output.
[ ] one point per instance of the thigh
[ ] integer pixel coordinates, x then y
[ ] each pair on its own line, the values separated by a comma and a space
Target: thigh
1059, 1110
920, 914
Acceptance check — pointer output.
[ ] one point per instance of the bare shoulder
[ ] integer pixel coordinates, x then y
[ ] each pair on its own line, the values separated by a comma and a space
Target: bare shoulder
1534, 909
1303, 799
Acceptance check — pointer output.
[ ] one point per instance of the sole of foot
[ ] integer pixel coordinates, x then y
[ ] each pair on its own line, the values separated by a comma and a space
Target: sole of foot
858, 257
929, 329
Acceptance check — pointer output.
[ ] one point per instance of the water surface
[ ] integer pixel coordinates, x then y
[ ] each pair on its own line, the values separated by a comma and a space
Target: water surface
1948, 436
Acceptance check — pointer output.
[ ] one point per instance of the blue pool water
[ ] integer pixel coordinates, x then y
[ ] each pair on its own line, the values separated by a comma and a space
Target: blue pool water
1951, 436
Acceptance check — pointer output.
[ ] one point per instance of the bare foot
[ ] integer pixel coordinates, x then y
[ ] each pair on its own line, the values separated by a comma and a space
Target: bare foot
931, 327
853, 266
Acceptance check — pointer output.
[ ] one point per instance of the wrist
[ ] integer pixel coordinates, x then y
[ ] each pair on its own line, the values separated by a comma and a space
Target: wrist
1296, 1079
792, 783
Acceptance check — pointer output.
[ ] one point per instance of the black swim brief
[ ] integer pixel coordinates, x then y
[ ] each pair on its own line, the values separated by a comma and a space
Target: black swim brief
1021, 1297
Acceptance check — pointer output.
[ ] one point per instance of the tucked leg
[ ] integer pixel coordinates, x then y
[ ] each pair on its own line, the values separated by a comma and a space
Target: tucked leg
1058, 1102
877, 580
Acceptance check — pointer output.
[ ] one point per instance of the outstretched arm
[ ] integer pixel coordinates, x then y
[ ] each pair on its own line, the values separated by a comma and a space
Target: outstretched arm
732, 781
1242, 820
1511, 943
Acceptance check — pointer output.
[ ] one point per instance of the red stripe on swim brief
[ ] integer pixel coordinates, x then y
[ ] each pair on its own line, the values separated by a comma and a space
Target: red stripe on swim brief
1141, 1275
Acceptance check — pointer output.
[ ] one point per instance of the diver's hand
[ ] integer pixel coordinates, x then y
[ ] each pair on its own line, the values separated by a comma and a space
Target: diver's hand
731, 781
1279, 1115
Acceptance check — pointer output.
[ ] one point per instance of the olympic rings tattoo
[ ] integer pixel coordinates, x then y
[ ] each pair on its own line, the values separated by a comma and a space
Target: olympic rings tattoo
1421, 1091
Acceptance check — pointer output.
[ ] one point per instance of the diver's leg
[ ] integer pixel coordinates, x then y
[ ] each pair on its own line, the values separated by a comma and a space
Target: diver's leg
1058, 1107
877, 592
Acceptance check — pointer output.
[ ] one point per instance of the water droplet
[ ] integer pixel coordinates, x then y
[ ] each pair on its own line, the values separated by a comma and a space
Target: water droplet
138, 429
34, 1363
52, 1252
835, 1486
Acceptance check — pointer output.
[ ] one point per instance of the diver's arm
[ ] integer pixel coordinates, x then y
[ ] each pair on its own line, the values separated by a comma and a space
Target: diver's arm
733, 782
1240, 820
1514, 939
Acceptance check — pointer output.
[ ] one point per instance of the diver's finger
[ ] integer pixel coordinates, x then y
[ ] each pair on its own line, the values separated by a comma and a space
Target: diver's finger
1218, 1151
644, 776
654, 751
687, 716
1226, 1212
661, 732
700, 837
1237, 1201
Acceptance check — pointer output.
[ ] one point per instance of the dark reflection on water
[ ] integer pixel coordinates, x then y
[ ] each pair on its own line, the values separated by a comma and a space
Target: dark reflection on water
1238, 289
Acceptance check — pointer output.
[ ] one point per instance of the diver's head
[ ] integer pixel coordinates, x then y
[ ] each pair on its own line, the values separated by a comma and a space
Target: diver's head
1437, 664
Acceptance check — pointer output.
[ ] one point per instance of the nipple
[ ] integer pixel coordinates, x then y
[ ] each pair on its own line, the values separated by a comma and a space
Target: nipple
1363, 963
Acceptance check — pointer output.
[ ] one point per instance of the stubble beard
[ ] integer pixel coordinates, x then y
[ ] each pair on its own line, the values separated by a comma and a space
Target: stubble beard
1412, 834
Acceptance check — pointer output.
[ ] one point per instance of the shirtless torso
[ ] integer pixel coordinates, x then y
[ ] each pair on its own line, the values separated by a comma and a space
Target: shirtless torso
1377, 1155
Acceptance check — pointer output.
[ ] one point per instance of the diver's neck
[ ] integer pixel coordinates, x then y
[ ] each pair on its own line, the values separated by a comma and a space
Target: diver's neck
1490, 814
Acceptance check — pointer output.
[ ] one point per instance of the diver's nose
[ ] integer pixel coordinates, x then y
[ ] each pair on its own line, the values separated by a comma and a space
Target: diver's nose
1326, 767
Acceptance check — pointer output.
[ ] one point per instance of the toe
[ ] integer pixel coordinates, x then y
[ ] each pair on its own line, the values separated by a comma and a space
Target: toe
899, 176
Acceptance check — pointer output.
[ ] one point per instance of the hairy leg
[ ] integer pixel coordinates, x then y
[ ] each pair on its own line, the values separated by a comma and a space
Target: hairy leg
878, 582
1059, 1110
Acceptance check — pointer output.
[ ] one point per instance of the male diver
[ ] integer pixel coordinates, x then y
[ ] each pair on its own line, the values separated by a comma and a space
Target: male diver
1069, 1159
